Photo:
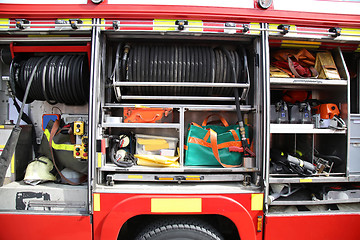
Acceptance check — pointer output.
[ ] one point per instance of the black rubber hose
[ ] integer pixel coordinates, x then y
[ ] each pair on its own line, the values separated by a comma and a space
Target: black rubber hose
237, 103
61, 79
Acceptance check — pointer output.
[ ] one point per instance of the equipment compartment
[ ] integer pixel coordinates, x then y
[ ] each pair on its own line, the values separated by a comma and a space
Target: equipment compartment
192, 76
59, 69
309, 129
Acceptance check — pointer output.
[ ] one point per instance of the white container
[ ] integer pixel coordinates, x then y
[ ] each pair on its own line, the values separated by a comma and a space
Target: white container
155, 145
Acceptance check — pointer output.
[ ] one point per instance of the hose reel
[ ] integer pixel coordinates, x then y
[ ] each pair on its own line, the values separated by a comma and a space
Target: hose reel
175, 63
58, 79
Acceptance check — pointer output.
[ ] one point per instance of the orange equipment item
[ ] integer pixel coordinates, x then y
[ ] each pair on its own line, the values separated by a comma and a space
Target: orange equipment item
327, 111
294, 96
147, 115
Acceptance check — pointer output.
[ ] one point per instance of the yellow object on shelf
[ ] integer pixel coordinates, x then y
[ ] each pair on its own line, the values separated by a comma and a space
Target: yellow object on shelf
275, 72
325, 66
153, 144
157, 161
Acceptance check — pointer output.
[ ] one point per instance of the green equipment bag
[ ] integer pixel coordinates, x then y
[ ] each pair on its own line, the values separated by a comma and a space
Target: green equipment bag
62, 148
213, 145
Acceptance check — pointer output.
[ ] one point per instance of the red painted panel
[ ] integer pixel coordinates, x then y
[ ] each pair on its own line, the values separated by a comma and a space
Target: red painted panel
116, 209
43, 11
319, 227
45, 227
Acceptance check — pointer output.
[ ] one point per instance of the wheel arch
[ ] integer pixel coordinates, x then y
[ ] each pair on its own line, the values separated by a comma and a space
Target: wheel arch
138, 205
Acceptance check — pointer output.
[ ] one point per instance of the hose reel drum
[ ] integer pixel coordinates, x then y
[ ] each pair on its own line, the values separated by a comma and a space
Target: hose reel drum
177, 70
58, 78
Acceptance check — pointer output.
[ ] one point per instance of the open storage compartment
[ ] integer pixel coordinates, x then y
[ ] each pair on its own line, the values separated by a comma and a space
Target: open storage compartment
308, 167
191, 75
63, 62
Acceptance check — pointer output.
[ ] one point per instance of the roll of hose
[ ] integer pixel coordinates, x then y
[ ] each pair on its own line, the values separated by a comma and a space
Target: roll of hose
58, 79
178, 63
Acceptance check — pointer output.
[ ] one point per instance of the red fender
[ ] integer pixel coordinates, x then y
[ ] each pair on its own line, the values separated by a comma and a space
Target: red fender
211, 204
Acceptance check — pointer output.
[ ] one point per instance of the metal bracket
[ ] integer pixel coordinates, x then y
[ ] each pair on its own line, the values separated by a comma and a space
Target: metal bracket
246, 28
74, 23
181, 24
247, 180
336, 31
20, 22
230, 24
285, 28
116, 25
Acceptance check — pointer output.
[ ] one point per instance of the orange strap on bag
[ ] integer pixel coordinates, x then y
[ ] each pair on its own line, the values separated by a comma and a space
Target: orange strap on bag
215, 150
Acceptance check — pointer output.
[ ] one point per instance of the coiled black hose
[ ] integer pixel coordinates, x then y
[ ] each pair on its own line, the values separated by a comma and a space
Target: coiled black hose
57, 79
178, 63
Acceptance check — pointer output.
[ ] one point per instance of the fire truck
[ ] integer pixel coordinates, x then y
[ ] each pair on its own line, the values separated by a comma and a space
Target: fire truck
116, 118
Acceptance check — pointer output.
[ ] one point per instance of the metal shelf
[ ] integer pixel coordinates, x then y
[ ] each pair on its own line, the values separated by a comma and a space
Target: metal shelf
109, 167
142, 125
315, 179
187, 107
305, 83
316, 202
302, 129
170, 177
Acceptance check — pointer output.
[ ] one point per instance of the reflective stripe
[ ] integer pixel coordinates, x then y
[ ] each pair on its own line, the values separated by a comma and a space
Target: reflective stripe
13, 164
254, 25
159, 22
4, 21
96, 202
257, 202
65, 147
176, 205
85, 21
99, 160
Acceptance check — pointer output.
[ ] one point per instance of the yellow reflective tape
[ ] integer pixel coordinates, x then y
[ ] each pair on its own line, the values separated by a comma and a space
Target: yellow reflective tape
2, 146
102, 21
176, 205
351, 31
84, 21
2, 126
4, 21
302, 44
195, 23
96, 202
254, 25
257, 202
305, 180
65, 147
99, 157
161, 22
13, 164
135, 176
196, 178
299, 46
158, 23
273, 26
